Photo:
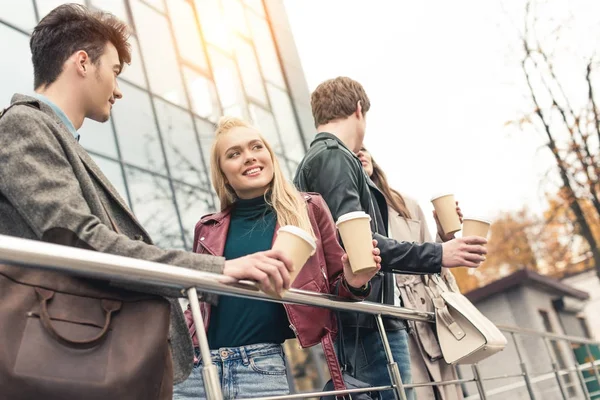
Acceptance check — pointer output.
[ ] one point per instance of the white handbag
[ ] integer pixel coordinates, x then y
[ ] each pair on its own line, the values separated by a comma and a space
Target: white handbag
465, 335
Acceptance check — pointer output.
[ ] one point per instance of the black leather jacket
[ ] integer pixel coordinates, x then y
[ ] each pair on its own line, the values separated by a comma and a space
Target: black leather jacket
332, 170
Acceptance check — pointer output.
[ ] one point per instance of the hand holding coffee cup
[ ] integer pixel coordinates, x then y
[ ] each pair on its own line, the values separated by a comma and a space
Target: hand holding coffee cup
467, 251
298, 245
475, 227
440, 230
355, 230
359, 279
446, 211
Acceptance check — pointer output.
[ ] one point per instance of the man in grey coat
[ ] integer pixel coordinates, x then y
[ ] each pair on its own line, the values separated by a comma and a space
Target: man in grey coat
50, 188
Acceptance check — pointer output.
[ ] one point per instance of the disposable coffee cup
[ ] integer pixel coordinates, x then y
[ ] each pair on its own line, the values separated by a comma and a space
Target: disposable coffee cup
297, 244
445, 207
355, 230
475, 226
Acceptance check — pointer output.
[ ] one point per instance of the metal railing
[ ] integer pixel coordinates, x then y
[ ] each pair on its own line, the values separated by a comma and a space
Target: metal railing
86, 263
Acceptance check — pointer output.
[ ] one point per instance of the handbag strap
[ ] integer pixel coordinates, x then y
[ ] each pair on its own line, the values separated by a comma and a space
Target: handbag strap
337, 377
435, 286
17, 103
112, 222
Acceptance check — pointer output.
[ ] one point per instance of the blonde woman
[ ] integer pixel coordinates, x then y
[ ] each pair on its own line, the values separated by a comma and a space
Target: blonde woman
245, 336
407, 223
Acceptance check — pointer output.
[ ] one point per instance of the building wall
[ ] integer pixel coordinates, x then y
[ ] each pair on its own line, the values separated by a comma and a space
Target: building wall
589, 282
520, 307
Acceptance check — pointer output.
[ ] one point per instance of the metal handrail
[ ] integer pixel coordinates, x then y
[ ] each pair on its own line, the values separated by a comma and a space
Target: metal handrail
89, 263
28, 253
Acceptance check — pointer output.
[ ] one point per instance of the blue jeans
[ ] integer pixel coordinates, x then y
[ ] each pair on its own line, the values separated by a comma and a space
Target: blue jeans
371, 360
249, 371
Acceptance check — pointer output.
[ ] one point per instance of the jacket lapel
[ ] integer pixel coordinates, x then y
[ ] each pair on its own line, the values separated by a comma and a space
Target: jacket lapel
93, 169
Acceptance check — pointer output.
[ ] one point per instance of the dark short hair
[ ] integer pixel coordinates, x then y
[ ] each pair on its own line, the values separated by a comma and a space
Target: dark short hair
336, 99
70, 28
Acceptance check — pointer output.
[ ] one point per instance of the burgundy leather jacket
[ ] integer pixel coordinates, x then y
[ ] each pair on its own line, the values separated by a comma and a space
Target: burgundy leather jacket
322, 273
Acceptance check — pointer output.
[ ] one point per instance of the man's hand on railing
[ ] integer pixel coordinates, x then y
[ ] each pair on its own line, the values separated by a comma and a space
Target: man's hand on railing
464, 252
270, 269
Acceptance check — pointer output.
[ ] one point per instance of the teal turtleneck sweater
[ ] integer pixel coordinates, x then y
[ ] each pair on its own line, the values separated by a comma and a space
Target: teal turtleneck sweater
236, 321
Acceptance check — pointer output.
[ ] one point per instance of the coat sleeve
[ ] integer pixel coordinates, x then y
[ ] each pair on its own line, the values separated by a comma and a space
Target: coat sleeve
37, 179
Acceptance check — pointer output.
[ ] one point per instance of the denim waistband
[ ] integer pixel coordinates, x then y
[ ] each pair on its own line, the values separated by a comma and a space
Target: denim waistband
244, 352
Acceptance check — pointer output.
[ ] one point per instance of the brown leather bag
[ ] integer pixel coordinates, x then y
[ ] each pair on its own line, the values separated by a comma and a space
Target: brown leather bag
63, 337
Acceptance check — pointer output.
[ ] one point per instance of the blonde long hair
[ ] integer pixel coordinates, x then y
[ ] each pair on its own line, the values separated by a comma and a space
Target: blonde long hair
287, 202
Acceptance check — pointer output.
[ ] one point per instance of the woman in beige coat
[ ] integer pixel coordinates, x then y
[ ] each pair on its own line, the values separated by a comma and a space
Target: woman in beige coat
407, 223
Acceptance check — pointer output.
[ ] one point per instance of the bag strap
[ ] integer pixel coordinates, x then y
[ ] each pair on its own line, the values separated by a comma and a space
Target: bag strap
333, 365
434, 287
112, 222
17, 103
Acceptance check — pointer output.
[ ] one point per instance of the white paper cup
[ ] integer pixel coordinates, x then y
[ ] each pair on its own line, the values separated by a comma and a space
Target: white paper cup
445, 208
355, 230
297, 244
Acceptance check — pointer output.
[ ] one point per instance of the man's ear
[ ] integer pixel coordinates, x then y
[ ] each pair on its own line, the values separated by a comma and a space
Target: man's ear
358, 110
82, 62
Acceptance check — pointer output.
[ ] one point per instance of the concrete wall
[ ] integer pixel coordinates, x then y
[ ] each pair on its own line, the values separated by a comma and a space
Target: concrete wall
520, 307
589, 282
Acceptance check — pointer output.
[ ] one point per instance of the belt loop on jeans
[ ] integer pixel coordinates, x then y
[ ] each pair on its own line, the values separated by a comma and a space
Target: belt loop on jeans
244, 355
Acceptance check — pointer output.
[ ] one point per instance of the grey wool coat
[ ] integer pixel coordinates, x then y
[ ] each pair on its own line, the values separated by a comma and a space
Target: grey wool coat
51, 190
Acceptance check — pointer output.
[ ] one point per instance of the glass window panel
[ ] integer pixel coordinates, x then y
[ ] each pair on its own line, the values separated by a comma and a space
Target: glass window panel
186, 32
159, 55
292, 166
115, 7
181, 146
227, 80
286, 121
256, 6
45, 6
206, 133
265, 47
17, 70
98, 137
202, 94
235, 16
153, 205
134, 71
20, 14
193, 204
213, 25
253, 82
265, 122
112, 170
136, 129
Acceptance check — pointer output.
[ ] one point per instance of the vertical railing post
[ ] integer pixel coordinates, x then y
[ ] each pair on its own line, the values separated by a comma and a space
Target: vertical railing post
478, 381
555, 368
210, 374
586, 392
524, 369
392, 365
592, 360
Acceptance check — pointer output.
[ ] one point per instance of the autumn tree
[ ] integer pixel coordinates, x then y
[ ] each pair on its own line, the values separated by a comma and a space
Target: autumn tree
560, 79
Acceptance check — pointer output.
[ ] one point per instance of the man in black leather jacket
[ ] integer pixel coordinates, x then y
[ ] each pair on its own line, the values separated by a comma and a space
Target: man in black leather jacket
332, 169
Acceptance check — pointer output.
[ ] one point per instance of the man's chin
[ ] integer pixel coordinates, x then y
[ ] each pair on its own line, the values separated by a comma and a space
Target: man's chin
100, 118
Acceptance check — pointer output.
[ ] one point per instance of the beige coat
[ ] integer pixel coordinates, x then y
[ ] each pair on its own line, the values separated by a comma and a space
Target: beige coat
425, 354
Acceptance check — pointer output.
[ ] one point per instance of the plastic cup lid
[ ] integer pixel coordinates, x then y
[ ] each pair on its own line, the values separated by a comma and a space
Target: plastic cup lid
352, 215
437, 196
301, 233
476, 218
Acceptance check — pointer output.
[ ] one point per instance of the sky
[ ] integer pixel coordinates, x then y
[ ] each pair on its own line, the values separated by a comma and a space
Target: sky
443, 79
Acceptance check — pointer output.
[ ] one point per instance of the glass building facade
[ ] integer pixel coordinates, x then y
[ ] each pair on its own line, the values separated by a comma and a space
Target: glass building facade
193, 61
